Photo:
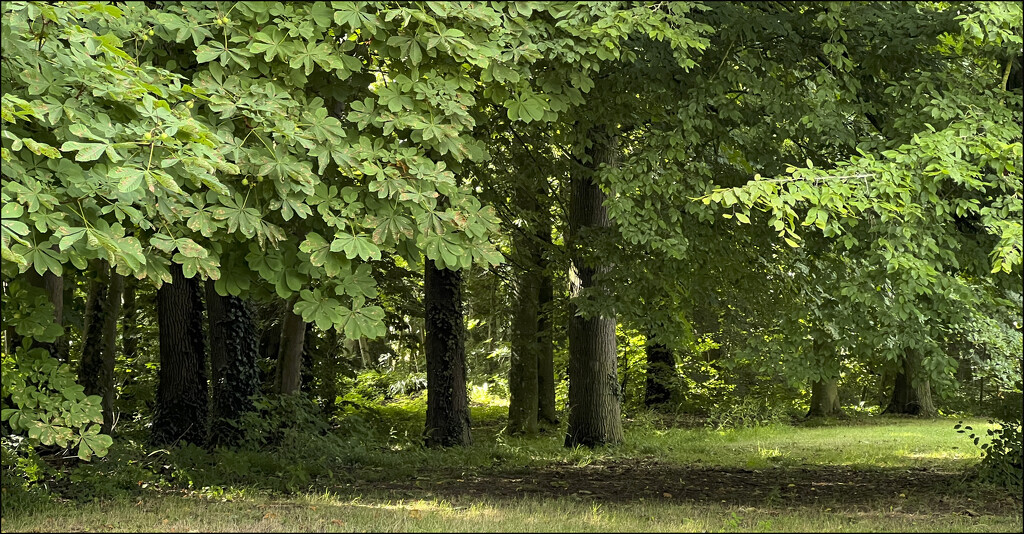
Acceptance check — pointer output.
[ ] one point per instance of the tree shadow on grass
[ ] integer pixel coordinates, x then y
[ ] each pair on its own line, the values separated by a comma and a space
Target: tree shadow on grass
841, 488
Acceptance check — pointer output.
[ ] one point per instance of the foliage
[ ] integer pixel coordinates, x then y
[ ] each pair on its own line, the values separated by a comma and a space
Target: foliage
42, 400
1003, 463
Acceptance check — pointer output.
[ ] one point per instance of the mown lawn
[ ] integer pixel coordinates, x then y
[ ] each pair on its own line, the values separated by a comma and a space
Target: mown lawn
884, 475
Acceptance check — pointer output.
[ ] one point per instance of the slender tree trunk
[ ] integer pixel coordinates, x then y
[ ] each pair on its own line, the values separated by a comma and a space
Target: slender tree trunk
289, 359
181, 397
55, 290
912, 394
238, 376
447, 401
129, 320
547, 411
825, 399
524, 387
112, 314
594, 396
661, 371
91, 364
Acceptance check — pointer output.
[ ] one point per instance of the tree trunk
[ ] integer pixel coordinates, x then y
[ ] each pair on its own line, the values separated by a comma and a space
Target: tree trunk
129, 321
181, 396
112, 314
91, 365
216, 317
912, 394
594, 396
289, 357
825, 399
238, 377
54, 286
523, 384
661, 371
447, 401
547, 412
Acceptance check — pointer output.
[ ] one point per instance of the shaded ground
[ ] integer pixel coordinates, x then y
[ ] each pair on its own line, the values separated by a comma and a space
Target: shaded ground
917, 490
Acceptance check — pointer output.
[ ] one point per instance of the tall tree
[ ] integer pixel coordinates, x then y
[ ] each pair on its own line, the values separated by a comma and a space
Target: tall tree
99, 339
912, 393
547, 412
447, 399
524, 385
594, 409
660, 373
181, 398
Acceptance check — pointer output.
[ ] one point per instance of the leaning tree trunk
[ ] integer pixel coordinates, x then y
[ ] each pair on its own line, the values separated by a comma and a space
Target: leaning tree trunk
546, 409
523, 382
661, 370
238, 378
825, 398
181, 396
447, 401
594, 409
289, 357
912, 394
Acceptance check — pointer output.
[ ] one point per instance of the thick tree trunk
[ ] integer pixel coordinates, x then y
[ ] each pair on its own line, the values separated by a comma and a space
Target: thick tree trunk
661, 371
825, 399
289, 358
238, 377
594, 396
181, 396
447, 401
215, 313
912, 394
546, 410
523, 384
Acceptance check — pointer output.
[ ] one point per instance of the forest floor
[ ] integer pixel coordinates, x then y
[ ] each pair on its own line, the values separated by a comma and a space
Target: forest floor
886, 475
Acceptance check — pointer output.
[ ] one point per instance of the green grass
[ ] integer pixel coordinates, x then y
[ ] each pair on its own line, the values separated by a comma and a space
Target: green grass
361, 494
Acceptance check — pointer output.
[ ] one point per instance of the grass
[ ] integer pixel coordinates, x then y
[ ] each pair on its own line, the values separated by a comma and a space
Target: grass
909, 474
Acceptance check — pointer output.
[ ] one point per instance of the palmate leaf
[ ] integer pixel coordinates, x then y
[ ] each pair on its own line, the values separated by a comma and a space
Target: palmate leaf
314, 307
355, 246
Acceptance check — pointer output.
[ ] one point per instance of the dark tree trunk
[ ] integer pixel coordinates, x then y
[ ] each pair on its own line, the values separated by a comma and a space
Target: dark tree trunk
447, 422
825, 399
129, 320
112, 313
912, 394
309, 344
216, 317
181, 397
91, 365
524, 402
238, 377
594, 396
547, 411
661, 372
289, 357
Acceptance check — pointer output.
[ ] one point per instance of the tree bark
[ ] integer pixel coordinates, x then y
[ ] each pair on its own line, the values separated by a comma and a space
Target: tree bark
447, 422
289, 357
547, 411
524, 387
594, 396
181, 397
53, 285
912, 394
129, 320
216, 317
825, 399
112, 313
238, 377
661, 371
91, 364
